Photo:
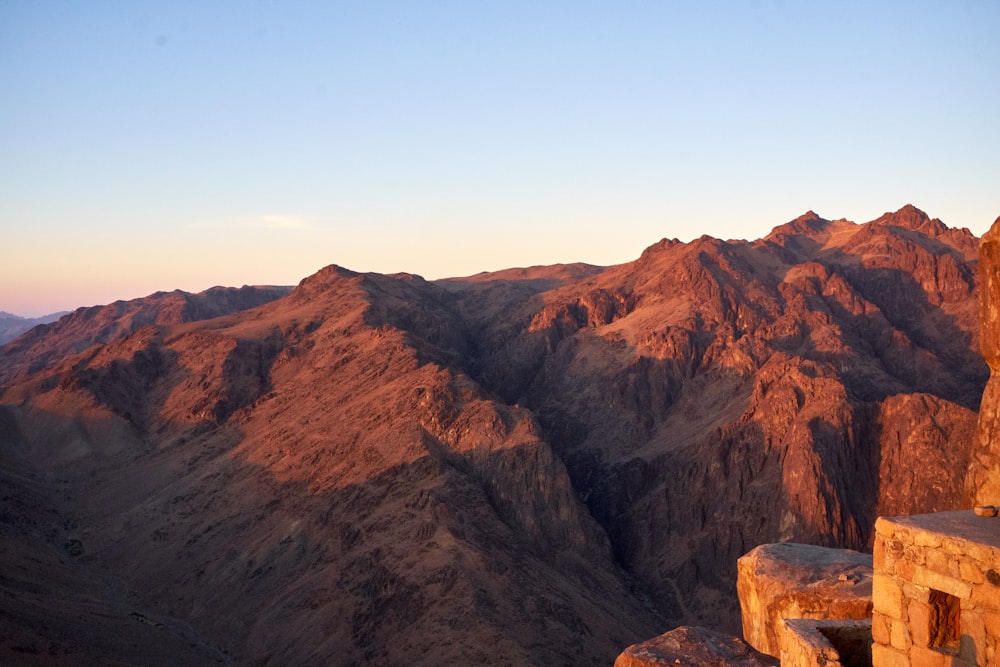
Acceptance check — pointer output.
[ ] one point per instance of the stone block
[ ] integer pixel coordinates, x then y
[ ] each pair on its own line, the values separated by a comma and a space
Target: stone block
972, 642
879, 560
985, 596
938, 561
970, 572
786, 580
883, 656
927, 657
919, 615
880, 628
942, 582
899, 636
992, 619
887, 597
915, 592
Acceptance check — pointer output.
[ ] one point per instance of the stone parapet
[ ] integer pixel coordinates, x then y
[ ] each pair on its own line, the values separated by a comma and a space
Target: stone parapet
936, 590
831, 643
789, 581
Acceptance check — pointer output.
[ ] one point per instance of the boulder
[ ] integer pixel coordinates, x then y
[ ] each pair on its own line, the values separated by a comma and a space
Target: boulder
693, 646
787, 580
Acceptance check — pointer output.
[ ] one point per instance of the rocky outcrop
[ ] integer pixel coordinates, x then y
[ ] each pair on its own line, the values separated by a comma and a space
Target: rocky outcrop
693, 647
789, 581
983, 483
716, 395
533, 467
311, 483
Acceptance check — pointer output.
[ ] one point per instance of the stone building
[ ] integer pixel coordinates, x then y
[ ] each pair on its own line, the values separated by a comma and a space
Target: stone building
936, 591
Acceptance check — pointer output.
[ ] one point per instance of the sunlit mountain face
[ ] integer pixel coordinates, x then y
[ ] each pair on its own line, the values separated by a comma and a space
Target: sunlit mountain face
536, 466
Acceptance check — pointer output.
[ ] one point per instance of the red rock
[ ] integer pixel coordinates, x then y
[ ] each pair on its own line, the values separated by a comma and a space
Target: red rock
693, 647
381, 467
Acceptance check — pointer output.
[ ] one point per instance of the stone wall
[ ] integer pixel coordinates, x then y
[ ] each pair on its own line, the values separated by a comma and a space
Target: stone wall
788, 580
830, 643
936, 591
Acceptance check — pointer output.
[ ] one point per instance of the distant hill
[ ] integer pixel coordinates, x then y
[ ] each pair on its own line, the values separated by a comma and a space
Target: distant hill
538, 466
12, 326
84, 327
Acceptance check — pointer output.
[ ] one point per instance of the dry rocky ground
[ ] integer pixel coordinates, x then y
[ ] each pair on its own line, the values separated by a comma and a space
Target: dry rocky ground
538, 466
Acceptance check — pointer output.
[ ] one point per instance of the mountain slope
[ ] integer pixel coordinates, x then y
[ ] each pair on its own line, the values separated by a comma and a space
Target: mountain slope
712, 396
85, 327
302, 484
533, 466
12, 326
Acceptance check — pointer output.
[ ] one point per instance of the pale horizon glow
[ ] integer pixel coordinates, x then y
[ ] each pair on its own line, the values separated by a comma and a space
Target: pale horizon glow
159, 146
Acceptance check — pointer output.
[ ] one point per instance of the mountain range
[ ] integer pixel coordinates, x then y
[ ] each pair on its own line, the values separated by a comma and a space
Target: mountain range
12, 326
533, 466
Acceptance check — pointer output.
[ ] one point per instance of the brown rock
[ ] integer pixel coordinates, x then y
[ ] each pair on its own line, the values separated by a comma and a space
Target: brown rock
689, 646
386, 469
983, 481
787, 580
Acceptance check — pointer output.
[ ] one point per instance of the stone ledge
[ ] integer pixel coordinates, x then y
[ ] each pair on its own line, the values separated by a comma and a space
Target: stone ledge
788, 580
833, 643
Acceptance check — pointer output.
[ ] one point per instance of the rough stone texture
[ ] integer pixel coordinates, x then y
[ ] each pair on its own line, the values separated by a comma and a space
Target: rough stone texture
983, 482
693, 647
48, 344
937, 590
390, 470
785, 580
827, 643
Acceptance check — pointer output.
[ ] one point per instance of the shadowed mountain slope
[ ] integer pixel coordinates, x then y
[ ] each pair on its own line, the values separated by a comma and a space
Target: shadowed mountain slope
12, 326
308, 482
534, 466
84, 327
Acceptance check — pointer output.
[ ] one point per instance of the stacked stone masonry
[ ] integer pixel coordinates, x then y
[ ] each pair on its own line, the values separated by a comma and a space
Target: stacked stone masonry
831, 643
936, 591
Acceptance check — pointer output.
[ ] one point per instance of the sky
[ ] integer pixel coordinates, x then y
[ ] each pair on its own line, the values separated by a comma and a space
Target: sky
150, 146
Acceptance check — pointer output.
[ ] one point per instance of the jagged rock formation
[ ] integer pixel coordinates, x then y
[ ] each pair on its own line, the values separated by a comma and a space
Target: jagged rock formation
984, 474
537, 466
712, 396
787, 580
693, 647
304, 485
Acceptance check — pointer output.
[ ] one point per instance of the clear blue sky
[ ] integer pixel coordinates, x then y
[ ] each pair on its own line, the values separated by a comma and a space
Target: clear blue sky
161, 145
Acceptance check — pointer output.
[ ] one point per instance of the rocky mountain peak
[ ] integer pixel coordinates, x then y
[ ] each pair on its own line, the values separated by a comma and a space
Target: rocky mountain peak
534, 466
912, 218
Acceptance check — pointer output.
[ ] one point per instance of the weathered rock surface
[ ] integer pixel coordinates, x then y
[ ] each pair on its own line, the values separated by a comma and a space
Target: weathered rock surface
301, 485
532, 467
984, 474
693, 647
785, 580
85, 327
716, 395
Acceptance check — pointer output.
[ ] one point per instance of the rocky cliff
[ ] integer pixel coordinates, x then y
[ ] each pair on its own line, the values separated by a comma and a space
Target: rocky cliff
539, 466
984, 474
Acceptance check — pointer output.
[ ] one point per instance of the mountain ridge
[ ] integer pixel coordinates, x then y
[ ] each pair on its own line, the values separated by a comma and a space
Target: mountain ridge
554, 462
